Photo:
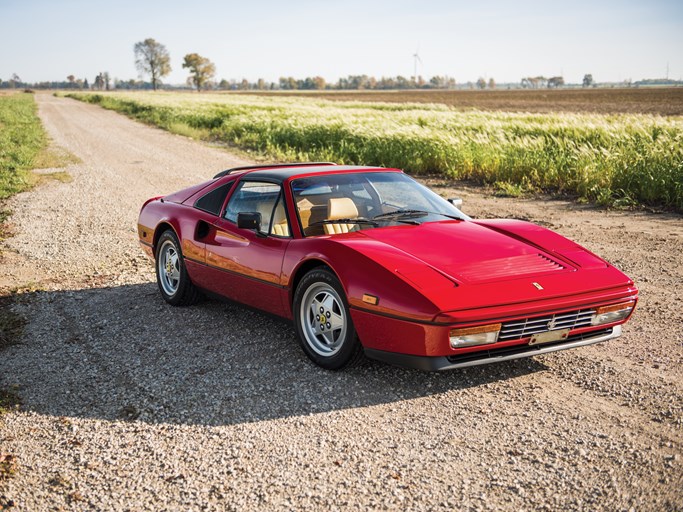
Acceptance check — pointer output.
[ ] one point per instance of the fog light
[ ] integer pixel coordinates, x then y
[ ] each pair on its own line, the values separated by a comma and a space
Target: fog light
612, 313
481, 335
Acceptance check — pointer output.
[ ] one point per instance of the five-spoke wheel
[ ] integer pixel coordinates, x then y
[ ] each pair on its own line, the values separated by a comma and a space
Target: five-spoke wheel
168, 267
323, 322
174, 283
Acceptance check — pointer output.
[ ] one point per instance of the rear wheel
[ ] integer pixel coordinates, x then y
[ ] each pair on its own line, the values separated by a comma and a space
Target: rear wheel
323, 322
174, 283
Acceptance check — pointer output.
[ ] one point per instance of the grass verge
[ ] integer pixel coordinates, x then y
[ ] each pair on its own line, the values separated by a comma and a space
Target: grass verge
608, 159
22, 138
24, 146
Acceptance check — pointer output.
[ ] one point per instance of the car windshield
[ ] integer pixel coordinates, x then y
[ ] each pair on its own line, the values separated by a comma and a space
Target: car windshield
339, 203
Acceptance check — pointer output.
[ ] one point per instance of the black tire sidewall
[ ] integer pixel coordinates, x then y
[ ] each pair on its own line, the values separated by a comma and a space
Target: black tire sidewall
177, 297
350, 346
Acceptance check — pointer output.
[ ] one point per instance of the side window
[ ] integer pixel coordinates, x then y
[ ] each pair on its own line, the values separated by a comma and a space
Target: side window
280, 225
212, 201
254, 196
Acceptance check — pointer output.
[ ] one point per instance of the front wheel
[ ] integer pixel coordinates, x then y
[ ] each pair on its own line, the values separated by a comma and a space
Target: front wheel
323, 322
174, 283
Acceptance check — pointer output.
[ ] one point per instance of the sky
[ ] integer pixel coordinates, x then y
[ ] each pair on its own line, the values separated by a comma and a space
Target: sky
46, 40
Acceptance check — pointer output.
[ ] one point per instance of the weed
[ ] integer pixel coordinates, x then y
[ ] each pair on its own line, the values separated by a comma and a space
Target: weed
59, 481
53, 156
505, 189
8, 466
61, 176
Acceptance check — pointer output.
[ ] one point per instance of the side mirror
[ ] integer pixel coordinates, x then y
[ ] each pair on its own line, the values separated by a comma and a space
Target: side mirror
455, 201
249, 220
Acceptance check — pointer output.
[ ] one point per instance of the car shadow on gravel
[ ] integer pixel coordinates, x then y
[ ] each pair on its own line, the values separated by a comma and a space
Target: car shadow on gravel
122, 353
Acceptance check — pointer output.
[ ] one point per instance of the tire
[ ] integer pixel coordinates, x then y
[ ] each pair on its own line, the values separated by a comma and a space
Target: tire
323, 322
174, 283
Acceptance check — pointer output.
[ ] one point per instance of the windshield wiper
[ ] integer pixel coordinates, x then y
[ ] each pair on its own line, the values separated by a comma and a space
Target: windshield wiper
357, 220
413, 214
401, 213
454, 217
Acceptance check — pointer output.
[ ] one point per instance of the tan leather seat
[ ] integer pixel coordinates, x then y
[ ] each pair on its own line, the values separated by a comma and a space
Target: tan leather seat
340, 208
281, 229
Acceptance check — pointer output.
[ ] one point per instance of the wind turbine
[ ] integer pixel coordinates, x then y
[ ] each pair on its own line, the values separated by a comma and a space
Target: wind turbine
416, 57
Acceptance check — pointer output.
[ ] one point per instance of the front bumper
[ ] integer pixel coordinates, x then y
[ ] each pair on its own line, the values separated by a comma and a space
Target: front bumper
440, 363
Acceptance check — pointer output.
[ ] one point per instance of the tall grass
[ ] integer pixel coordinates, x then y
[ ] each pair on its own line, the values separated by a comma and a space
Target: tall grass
609, 159
21, 139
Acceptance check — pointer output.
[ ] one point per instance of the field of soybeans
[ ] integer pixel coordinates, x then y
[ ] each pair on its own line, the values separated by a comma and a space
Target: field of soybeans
610, 159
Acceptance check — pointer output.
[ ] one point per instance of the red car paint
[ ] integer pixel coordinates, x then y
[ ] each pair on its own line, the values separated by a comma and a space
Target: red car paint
429, 278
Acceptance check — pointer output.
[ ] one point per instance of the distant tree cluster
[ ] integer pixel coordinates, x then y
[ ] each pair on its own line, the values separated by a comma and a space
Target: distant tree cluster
365, 82
153, 61
541, 82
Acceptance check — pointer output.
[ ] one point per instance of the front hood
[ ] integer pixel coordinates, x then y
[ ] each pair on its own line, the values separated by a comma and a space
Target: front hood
469, 265
467, 252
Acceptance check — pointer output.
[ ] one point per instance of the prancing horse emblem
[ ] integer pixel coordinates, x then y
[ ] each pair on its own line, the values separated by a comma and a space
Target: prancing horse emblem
538, 286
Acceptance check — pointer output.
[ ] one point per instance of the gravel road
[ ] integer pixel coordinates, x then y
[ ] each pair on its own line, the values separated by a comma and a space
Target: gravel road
130, 404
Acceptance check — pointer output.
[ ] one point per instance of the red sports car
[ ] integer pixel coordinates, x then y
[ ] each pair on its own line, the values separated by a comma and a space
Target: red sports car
365, 260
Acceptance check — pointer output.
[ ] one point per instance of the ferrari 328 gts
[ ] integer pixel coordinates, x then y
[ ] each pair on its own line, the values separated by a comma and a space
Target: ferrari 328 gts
367, 261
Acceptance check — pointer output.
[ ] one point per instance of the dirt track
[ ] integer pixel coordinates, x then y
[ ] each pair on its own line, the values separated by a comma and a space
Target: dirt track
664, 101
131, 404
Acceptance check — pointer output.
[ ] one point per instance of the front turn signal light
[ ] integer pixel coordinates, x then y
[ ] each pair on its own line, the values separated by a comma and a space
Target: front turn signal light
469, 336
612, 313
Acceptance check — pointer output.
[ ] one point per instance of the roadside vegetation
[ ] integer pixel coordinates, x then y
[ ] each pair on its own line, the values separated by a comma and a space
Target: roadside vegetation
22, 138
609, 159
23, 148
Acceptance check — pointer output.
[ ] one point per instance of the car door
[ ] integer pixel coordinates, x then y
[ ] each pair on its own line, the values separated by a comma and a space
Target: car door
247, 264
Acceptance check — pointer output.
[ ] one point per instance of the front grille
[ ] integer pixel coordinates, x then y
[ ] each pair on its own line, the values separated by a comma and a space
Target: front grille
518, 329
524, 348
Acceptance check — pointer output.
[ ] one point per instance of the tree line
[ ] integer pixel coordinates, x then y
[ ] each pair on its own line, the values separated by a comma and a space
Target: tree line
153, 61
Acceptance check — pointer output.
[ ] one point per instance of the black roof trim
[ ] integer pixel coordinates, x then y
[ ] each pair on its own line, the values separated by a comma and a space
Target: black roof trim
270, 166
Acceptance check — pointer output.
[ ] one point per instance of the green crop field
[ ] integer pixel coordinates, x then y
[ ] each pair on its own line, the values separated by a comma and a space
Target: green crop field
21, 140
610, 159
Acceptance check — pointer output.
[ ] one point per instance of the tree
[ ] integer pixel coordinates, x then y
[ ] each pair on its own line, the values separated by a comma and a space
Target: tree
555, 81
492, 83
587, 80
318, 82
481, 83
201, 69
86, 85
153, 59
